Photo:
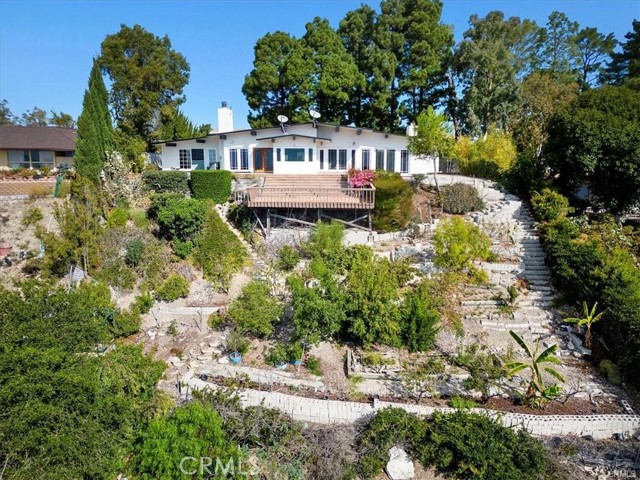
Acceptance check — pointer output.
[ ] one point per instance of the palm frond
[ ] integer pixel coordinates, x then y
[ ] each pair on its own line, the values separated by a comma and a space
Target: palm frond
554, 373
520, 342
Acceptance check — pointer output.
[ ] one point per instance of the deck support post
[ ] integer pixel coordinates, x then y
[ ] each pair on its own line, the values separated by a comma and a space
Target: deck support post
268, 221
369, 220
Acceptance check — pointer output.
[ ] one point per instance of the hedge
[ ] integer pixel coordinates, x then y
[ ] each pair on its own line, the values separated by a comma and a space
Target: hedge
166, 181
587, 269
393, 206
213, 184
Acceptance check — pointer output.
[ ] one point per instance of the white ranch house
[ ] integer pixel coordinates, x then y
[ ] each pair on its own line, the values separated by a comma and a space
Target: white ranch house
301, 149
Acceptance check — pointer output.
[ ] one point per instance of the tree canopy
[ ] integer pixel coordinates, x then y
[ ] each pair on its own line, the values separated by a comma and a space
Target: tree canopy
595, 140
147, 79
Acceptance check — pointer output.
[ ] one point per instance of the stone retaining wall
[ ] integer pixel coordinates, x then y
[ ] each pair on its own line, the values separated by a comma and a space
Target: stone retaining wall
333, 411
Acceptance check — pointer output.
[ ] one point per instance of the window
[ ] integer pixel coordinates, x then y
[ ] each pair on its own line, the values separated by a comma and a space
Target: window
353, 159
366, 160
311, 154
333, 159
342, 160
233, 159
185, 159
391, 160
244, 159
404, 161
321, 159
294, 154
197, 154
30, 158
379, 159
278, 155
213, 159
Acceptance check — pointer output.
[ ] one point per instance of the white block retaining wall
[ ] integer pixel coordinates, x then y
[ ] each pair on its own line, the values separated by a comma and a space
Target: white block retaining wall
333, 411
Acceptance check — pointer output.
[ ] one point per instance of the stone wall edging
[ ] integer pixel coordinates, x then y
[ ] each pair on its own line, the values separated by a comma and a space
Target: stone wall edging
334, 411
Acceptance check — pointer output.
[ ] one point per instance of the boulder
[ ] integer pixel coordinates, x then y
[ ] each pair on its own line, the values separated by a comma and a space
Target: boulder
400, 466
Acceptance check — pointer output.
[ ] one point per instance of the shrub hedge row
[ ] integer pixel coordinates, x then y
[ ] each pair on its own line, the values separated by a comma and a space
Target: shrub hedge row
393, 206
586, 268
459, 198
213, 184
167, 181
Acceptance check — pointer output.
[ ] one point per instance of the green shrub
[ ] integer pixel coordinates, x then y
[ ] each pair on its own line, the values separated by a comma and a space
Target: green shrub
314, 365
166, 181
134, 252
476, 447
255, 311
213, 184
217, 320
610, 371
182, 219
219, 252
237, 342
458, 242
182, 248
549, 205
420, 321
278, 355
173, 288
462, 403
139, 218
459, 198
393, 205
126, 323
288, 258
117, 274
143, 302
118, 217
31, 216
160, 201
460, 445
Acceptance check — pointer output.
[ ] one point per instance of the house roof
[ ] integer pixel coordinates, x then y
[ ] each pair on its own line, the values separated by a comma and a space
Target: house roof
37, 138
293, 135
293, 126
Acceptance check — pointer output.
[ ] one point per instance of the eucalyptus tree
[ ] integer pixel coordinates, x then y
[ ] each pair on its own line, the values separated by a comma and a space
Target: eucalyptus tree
491, 60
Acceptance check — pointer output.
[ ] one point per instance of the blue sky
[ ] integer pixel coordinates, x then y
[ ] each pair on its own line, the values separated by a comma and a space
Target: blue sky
46, 46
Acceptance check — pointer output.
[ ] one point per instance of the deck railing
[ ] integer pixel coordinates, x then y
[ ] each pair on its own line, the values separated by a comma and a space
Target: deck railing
308, 196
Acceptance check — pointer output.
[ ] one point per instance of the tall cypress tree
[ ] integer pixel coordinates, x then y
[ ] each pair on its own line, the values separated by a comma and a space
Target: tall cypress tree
95, 131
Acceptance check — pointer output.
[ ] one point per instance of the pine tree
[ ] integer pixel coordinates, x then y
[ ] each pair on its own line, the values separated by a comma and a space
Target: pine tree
95, 131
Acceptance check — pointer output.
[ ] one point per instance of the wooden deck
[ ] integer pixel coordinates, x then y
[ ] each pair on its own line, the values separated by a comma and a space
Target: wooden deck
308, 191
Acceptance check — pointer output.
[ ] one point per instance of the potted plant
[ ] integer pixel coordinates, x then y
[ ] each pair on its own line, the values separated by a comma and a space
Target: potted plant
296, 350
278, 356
238, 345
4, 248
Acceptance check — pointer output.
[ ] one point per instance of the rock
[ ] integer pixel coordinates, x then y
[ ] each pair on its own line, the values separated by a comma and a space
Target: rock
223, 360
400, 466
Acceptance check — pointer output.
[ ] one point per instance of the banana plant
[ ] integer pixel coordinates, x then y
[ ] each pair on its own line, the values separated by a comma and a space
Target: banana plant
537, 391
589, 319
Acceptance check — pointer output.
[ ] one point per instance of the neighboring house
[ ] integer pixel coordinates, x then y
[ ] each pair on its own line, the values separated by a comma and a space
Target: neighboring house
293, 149
36, 147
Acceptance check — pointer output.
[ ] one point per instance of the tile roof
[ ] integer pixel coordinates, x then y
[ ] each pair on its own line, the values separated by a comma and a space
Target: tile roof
37, 138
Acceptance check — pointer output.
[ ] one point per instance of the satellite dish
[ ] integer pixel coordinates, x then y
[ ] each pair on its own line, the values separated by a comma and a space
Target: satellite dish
283, 119
315, 115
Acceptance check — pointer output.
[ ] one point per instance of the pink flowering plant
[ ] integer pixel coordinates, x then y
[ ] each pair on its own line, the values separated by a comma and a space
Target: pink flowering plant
360, 178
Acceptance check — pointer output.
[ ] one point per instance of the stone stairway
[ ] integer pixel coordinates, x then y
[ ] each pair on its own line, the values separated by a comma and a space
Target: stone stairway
531, 315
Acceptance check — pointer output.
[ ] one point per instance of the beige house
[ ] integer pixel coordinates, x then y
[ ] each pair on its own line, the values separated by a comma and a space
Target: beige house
36, 147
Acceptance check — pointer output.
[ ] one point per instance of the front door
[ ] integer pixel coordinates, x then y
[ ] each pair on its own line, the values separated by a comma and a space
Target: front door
263, 160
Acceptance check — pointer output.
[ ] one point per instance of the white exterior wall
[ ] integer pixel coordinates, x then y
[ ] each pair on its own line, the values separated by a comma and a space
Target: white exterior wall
325, 138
